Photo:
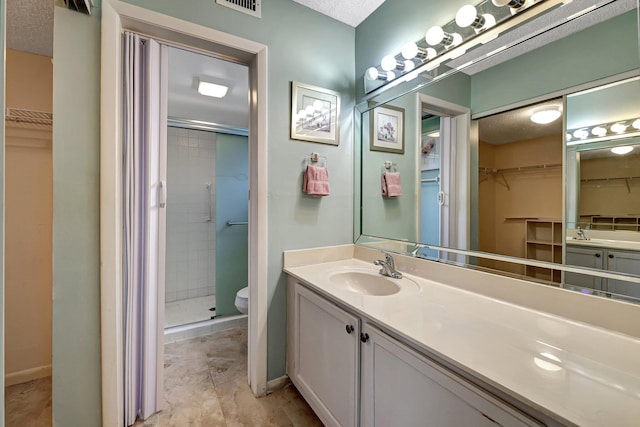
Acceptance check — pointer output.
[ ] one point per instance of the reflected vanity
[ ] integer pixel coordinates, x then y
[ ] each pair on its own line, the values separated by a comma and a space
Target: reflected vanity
447, 213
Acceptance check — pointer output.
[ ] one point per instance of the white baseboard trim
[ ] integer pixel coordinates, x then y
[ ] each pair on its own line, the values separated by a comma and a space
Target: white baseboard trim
27, 375
277, 384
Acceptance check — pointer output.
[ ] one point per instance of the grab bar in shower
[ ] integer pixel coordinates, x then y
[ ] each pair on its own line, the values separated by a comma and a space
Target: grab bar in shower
209, 218
230, 223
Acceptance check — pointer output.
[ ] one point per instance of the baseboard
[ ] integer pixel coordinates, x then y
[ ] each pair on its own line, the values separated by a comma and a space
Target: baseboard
277, 384
27, 375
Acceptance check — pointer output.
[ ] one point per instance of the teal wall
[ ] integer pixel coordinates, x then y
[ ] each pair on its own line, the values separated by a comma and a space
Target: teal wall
3, 9
76, 240
232, 246
597, 52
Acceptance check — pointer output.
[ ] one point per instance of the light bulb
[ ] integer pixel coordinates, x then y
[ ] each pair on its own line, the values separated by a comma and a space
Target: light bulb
618, 128
389, 63
599, 131
545, 116
409, 65
435, 36
489, 21
302, 114
372, 73
317, 105
409, 50
636, 124
622, 150
391, 75
568, 136
581, 134
466, 16
514, 4
310, 110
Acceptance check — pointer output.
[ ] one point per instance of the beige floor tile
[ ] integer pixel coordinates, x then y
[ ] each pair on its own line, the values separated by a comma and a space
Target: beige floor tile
29, 404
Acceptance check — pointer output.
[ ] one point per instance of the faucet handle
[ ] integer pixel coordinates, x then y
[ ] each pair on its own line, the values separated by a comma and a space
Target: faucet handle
390, 262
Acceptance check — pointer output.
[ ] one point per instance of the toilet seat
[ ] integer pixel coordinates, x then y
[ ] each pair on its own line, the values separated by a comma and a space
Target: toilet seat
242, 300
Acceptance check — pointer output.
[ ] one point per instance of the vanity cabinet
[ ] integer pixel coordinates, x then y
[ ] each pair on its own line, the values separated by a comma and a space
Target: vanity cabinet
614, 260
353, 374
324, 363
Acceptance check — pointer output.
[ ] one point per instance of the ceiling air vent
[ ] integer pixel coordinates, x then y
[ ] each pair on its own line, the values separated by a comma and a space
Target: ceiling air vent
250, 7
83, 6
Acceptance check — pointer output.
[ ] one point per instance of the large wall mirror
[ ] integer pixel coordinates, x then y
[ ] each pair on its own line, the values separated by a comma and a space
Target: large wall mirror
510, 153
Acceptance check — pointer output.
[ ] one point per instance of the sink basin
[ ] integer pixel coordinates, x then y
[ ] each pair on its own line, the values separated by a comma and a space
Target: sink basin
365, 283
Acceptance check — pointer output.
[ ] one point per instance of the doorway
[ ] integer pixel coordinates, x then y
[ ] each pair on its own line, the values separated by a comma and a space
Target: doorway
116, 17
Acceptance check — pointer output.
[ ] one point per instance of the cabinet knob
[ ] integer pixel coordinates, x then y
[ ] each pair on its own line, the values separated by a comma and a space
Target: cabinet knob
364, 337
349, 328
597, 255
610, 256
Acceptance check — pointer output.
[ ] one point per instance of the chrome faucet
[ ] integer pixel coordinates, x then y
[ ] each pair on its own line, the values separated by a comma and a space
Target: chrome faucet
581, 235
388, 267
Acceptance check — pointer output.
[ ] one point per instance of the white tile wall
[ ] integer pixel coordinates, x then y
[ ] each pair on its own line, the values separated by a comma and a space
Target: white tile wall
190, 260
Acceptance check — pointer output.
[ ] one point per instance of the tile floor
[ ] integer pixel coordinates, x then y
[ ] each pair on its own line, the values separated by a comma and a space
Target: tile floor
205, 386
188, 311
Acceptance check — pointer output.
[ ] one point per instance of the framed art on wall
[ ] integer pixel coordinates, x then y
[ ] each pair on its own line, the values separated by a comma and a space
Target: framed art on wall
387, 129
315, 114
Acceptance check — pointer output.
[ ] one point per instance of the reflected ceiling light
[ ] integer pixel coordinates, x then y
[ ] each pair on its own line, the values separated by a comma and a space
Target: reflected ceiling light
436, 35
211, 89
618, 128
599, 131
373, 73
411, 50
548, 362
568, 136
435, 134
467, 16
544, 117
581, 134
622, 150
636, 124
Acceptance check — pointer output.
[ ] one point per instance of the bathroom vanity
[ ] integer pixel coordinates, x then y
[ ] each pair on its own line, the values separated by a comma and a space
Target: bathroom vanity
364, 349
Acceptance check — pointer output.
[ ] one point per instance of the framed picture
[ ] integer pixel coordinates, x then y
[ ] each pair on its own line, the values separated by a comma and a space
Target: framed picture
387, 129
315, 114
430, 151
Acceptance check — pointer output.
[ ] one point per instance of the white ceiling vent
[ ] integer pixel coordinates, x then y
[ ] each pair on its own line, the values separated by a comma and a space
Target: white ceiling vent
250, 7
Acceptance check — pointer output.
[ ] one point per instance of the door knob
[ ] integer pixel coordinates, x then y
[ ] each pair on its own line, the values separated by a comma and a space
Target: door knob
610, 256
597, 255
364, 337
349, 328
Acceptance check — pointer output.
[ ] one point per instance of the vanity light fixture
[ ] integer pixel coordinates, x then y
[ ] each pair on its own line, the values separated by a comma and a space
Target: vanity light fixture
618, 128
211, 89
436, 36
547, 116
373, 73
636, 124
513, 4
467, 16
622, 150
599, 131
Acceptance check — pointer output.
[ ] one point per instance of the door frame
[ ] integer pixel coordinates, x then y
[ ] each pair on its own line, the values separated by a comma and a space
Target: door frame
455, 157
116, 17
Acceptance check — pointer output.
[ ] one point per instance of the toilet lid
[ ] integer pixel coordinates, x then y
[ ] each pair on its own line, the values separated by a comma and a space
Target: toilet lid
243, 293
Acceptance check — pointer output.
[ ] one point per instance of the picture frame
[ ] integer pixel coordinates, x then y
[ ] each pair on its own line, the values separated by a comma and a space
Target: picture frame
387, 129
430, 151
315, 114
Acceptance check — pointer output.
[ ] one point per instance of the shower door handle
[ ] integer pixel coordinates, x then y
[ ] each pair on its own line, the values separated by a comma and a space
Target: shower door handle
163, 194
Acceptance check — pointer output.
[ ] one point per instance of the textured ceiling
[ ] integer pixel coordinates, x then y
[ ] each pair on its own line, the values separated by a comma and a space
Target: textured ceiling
351, 12
516, 125
30, 26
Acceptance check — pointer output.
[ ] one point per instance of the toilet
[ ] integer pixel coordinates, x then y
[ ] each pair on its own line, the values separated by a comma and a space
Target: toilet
242, 300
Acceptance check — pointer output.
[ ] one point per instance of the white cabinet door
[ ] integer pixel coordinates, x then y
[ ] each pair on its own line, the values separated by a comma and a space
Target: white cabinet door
402, 388
584, 257
326, 358
623, 262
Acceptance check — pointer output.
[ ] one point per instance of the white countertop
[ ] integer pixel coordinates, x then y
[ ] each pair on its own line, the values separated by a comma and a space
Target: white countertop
571, 371
624, 240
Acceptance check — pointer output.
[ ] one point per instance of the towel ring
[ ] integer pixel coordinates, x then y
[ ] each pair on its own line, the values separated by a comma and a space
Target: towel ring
316, 158
389, 166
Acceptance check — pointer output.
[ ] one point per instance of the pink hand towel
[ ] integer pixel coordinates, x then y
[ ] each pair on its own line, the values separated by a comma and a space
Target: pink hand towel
316, 181
391, 186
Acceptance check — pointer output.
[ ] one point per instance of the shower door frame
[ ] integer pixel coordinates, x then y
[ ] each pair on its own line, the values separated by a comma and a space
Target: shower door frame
117, 17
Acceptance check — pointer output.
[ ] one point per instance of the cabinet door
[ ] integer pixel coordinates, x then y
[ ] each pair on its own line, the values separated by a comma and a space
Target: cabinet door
584, 257
402, 388
623, 262
326, 358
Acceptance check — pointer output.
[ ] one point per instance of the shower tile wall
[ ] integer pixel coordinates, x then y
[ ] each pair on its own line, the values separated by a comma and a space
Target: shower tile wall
190, 257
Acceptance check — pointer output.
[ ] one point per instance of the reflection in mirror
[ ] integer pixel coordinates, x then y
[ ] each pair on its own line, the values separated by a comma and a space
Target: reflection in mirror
520, 187
515, 212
